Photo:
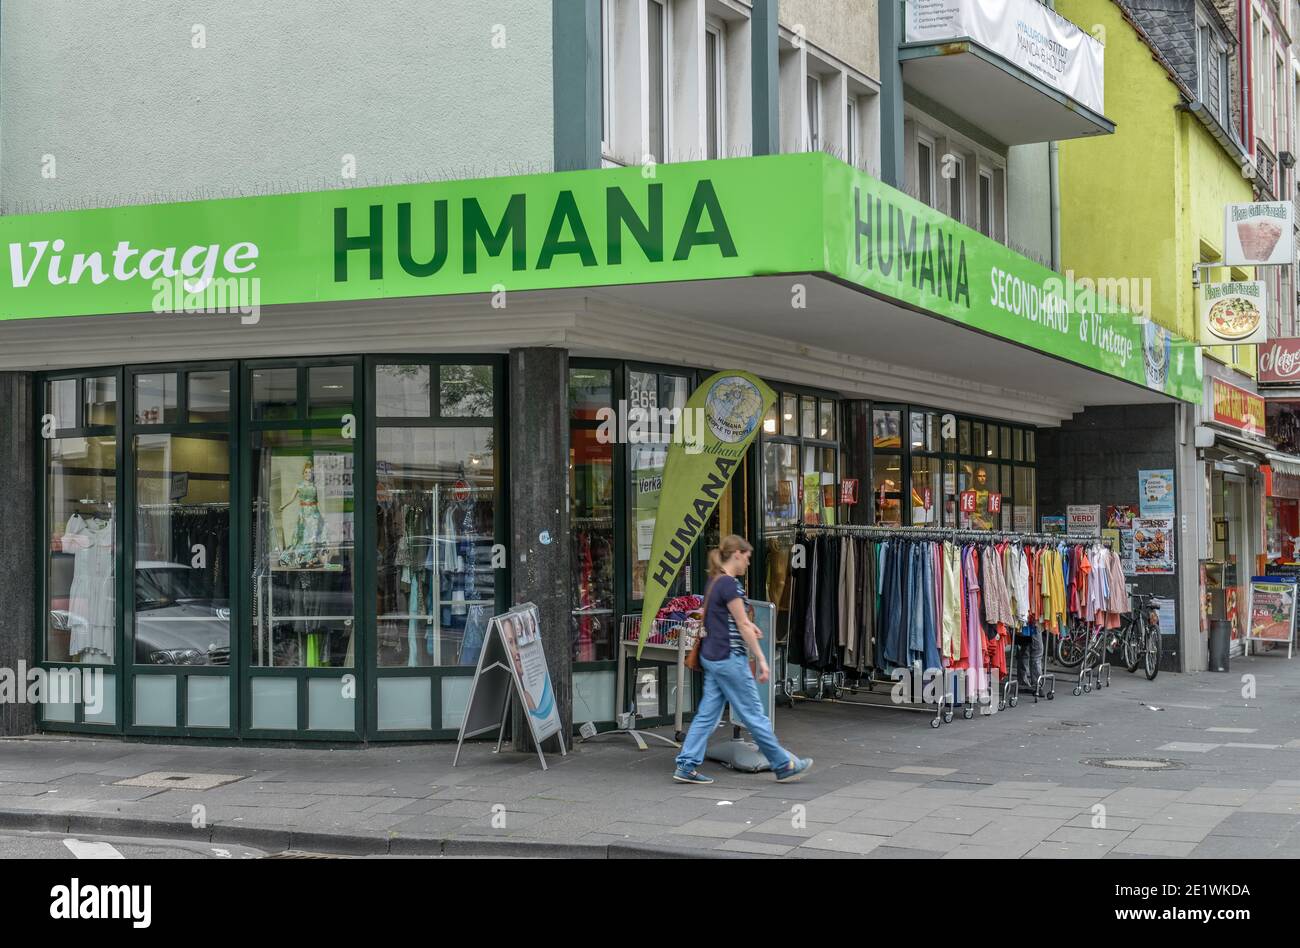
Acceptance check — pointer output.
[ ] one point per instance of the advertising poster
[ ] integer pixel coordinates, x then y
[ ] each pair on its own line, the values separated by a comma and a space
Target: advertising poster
1258, 234
520, 629
1053, 523
1083, 520
1156, 493
1121, 516
1272, 610
1234, 313
1153, 540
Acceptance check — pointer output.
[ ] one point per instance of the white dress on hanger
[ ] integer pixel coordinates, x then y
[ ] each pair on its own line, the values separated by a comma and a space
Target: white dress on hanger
92, 613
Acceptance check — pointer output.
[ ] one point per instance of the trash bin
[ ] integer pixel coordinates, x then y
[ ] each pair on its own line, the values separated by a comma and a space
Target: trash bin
1220, 643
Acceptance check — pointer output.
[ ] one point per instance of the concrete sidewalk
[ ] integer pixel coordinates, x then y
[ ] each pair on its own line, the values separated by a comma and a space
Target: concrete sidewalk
1023, 782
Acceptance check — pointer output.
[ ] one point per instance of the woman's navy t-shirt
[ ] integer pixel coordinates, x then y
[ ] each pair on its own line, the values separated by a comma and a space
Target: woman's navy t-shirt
723, 637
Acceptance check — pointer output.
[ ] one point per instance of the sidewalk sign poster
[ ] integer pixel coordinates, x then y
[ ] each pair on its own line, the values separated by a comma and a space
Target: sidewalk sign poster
512, 663
1083, 520
1156, 493
1053, 523
1272, 609
1153, 541
1166, 614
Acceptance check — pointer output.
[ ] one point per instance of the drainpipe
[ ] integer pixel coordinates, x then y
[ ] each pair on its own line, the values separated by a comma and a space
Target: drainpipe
1054, 185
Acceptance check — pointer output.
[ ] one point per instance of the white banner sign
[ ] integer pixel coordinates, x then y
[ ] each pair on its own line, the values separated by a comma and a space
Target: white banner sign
1259, 234
1083, 520
1038, 40
1234, 313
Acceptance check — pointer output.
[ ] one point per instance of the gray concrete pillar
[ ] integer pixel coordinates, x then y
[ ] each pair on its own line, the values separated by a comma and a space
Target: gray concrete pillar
18, 616
539, 511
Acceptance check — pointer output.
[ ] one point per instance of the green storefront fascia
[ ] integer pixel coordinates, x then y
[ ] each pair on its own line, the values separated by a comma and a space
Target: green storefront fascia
741, 217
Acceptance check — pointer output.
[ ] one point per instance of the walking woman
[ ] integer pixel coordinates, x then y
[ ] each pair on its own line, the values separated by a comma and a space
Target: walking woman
727, 678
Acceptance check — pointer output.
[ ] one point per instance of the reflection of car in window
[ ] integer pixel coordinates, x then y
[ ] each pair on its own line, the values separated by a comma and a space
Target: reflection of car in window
179, 618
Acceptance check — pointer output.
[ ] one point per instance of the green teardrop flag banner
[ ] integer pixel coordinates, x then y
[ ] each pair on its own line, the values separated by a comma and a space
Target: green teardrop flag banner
727, 409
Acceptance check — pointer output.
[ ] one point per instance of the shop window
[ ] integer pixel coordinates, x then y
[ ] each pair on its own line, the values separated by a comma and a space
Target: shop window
1008, 499
80, 571
402, 391
950, 498
303, 549
826, 422
652, 393
181, 609
781, 514
155, 399
1031, 454
61, 402
886, 487
923, 432
963, 437
978, 446
808, 415
435, 501
101, 401
769, 421
886, 429
466, 391
820, 487
1005, 453
275, 394
1025, 500
790, 415
925, 496
329, 390
208, 397
590, 390
979, 482
1017, 444
594, 623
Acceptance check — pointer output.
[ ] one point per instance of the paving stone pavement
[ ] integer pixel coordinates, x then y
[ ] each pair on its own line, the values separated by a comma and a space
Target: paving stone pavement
1021, 783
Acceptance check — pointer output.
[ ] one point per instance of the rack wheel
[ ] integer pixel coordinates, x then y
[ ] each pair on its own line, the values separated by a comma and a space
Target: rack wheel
1087, 686
1015, 700
947, 717
1051, 695
968, 712
1002, 705
934, 722
1078, 689
679, 736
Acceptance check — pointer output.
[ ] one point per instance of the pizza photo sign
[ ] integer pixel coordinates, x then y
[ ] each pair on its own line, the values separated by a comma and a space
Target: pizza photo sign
1258, 234
1234, 313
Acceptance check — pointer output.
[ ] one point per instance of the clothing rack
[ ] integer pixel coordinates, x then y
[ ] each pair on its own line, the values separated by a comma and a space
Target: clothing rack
938, 533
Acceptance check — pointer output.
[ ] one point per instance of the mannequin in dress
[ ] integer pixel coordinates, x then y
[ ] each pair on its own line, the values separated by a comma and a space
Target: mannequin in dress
307, 547
92, 599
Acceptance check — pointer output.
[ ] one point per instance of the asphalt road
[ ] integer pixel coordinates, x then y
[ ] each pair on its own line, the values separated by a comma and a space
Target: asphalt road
19, 845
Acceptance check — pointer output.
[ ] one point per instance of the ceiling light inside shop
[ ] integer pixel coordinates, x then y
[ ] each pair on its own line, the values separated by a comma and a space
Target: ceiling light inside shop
331, 388
918, 444
769, 424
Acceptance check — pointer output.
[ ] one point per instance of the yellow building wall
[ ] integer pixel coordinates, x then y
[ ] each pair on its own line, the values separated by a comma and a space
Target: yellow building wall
1138, 204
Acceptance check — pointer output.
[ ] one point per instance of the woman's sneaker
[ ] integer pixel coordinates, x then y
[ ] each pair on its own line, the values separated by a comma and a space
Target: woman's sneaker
795, 770
691, 776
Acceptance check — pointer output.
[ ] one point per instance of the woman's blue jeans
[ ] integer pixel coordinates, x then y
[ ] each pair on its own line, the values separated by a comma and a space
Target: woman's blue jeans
730, 682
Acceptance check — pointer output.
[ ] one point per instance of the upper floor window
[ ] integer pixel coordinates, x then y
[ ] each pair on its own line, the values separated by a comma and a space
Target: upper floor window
955, 170
657, 71
925, 170
713, 85
814, 113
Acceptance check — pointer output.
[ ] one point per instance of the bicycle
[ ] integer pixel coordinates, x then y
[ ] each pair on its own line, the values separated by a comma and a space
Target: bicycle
1071, 645
1138, 637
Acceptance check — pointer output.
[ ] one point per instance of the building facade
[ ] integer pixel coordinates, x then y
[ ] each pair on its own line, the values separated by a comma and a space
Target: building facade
290, 513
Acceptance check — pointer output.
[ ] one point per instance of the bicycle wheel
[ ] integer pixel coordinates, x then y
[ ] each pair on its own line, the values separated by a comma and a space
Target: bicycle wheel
1151, 654
1070, 646
1133, 637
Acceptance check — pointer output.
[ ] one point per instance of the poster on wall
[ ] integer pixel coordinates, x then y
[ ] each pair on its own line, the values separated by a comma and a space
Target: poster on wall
1053, 523
1272, 610
1234, 313
1258, 234
1153, 540
1083, 520
1156, 492
1121, 516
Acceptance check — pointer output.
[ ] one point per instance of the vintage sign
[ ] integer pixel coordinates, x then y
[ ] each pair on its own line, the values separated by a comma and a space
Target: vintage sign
1234, 313
1238, 408
1279, 360
1258, 234
1033, 37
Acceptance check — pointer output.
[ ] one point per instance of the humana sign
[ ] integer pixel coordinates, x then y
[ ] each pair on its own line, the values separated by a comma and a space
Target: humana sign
567, 232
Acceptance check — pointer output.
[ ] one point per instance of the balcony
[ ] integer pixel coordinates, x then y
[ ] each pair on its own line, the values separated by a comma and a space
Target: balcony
1014, 68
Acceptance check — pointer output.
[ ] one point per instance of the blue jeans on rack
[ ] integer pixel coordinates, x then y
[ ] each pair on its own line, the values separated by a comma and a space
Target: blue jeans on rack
730, 682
